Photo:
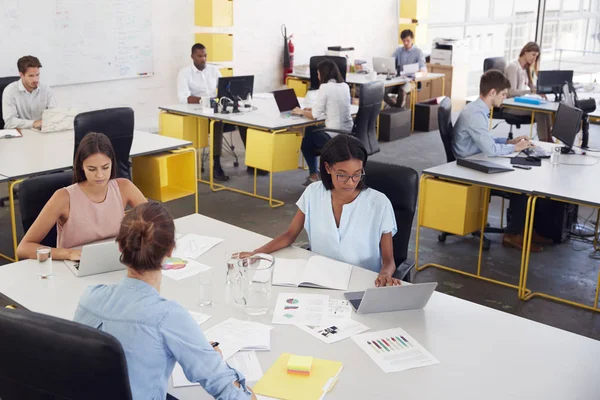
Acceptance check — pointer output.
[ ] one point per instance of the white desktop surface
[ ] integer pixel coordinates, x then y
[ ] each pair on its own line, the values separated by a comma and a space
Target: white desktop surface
38, 152
483, 353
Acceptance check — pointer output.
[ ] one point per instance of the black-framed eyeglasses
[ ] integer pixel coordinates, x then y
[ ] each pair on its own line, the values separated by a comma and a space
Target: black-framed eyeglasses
343, 178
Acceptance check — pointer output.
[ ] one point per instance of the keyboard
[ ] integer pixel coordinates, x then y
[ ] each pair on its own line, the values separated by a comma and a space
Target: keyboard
536, 152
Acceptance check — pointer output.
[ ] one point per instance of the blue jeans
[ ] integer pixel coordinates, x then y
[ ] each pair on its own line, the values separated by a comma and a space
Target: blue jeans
311, 143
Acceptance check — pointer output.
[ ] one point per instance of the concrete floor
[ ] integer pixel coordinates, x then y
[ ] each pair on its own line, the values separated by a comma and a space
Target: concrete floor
567, 270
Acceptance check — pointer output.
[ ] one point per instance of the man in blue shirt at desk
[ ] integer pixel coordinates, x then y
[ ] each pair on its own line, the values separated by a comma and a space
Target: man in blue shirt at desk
472, 136
407, 54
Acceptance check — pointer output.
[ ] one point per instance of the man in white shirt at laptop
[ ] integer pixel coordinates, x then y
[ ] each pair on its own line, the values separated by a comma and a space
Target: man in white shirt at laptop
199, 81
24, 101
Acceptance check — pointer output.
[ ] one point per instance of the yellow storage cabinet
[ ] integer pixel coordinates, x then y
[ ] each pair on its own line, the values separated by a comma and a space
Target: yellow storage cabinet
219, 46
273, 152
166, 176
213, 13
226, 71
300, 86
450, 207
184, 127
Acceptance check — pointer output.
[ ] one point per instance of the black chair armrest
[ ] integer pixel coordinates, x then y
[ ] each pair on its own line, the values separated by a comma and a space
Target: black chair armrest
404, 269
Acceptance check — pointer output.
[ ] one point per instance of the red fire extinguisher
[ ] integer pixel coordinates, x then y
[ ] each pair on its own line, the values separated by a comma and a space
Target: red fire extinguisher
288, 53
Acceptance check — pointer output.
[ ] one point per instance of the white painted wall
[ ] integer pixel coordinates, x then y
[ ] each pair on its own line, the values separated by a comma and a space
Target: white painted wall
370, 27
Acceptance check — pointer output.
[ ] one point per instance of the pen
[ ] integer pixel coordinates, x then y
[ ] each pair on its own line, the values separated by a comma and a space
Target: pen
214, 344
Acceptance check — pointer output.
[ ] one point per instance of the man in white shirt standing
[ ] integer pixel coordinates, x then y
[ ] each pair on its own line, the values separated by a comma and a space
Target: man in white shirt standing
24, 101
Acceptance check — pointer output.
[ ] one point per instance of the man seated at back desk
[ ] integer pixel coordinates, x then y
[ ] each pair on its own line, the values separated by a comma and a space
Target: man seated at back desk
407, 54
199, 81
472, 136
24, 101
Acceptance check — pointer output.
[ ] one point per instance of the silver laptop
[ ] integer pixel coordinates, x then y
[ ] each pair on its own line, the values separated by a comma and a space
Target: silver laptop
97, 258
391, 298
410, 69
384, 65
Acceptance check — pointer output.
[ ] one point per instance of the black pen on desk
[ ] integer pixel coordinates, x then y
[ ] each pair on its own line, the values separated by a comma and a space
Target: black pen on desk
214, 344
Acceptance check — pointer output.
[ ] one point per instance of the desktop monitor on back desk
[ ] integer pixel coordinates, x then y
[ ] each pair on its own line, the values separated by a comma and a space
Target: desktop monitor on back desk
235, 86
566, 125
551, 82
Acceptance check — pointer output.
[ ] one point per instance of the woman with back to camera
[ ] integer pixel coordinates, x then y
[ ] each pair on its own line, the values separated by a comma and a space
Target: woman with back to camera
155, 332
89, 210
345, 220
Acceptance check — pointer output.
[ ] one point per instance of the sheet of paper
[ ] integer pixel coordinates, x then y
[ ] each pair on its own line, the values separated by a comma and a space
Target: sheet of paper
332, 332
193, 246
9, 133
199, 317
288, 271
339, 309
300, 308
249, 335
247, 363
191, 268
394, 350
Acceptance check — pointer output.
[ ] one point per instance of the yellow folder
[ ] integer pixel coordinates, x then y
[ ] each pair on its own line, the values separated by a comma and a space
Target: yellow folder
281, 385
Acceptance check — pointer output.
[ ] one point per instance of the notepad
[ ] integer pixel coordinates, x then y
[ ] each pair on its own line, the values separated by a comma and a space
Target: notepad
279, 384
317, 272
9, 133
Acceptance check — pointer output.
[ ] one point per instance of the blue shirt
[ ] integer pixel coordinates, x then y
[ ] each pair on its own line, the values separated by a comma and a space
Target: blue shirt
154, 333
412, 56
363, 222
472, 133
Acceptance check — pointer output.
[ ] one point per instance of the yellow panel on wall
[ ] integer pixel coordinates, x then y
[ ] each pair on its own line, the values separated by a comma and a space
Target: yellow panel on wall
226, 71
213, 13
219, 46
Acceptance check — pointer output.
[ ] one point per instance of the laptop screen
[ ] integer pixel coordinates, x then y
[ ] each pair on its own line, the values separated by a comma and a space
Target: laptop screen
286, 100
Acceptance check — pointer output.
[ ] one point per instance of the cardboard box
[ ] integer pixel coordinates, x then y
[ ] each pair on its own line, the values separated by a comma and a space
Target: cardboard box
426, 115
394, 124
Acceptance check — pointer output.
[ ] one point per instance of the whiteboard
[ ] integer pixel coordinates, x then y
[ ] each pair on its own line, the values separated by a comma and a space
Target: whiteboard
78, 41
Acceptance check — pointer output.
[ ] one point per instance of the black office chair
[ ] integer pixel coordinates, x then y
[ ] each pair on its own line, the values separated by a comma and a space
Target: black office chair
401, 186
447, 135
499, 63
48, 358
35, 193
341, 63
117, 124
4, 82
365, 123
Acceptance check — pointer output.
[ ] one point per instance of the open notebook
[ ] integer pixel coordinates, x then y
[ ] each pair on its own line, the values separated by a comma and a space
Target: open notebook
318, 272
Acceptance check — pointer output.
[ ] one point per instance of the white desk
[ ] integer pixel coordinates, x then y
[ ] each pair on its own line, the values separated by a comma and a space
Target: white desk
483, 353
574, 180
37, 153
361, 79
264, 116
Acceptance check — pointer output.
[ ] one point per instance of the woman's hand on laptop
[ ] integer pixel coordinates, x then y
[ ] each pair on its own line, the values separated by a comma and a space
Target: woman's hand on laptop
386, 280
74, 255
298, 111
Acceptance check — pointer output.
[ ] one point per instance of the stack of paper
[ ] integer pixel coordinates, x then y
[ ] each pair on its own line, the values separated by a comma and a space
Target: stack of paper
394, 350
245, 362
240, 335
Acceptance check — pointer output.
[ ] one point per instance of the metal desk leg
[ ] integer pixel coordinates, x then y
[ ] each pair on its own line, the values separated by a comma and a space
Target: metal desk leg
525, 251
413, 101
444, 85
13, 221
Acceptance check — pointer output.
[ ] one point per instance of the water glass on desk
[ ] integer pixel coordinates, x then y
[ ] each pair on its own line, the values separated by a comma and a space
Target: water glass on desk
205, 288
257, 277
44, 258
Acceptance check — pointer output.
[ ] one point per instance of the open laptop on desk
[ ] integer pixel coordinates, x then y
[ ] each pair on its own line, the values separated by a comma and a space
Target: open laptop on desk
391, 298
97, 258
384, 65
286, 100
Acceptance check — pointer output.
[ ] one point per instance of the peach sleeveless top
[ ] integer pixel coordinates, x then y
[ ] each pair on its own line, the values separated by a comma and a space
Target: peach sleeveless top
88, 221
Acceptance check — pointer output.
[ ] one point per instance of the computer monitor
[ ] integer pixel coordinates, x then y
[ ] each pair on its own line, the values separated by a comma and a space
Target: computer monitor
235, 86
552, 81
566, 125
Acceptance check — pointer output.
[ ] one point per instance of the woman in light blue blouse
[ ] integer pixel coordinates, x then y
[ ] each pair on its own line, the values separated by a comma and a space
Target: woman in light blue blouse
345, 220
155, 332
